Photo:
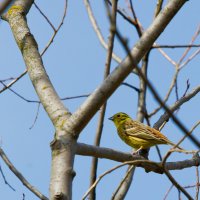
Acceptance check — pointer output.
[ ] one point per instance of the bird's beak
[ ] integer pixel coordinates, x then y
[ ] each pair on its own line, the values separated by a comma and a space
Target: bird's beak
110, 118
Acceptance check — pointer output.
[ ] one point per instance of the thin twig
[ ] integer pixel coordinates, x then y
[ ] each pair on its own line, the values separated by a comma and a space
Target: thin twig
143, 163
138, 26
97, 29
44, 50
173, 82
191, 43
187, 87
13, 82
177, 185
190, 58
47, 19
156, 46
7, 79
136, 162
124, 184
75, 97
99, 178
191, 186
56, 30
176, 90
180, 141
36, 116
167, 57
131, 86
168, 191
176, 105
20, 96
5, 181
20, 176
123, 15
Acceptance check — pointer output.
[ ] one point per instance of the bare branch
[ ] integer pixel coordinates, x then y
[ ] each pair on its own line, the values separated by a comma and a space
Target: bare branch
123, 15
191, 43
86, 111
155, 46
156, 167
138, 25
5, 181
167, 57
155, 94
158, 7
13, 82
173, 82
107, 153
190, 58
131, 86
177, 104
97, 30
124, 185
56, 30
20, 176
47, 19
174, 182
177, 185
168, 191
36, 116
20, 96
64, 142
4, 5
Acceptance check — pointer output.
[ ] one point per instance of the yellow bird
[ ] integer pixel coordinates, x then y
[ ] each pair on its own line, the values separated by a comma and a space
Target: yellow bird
138, 135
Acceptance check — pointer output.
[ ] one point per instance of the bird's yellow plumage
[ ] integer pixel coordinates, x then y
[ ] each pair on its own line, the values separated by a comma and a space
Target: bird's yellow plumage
137, 135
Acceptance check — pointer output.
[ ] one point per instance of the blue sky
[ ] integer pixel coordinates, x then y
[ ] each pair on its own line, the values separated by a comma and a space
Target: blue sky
75, 64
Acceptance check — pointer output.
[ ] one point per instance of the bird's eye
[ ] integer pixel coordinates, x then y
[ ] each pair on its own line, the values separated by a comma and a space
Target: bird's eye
118, 115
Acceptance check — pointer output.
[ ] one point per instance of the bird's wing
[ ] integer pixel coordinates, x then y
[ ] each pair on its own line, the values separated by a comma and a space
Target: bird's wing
139, 130
161, 136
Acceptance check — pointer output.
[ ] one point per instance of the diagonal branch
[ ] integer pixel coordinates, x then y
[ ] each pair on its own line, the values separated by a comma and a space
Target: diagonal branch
140, 163
97, 29
4, 5
87, 110
63, 146
20, 176
181, 101
177, 185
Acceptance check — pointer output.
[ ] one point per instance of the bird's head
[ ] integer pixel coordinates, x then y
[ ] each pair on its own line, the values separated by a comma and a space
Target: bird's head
119, 118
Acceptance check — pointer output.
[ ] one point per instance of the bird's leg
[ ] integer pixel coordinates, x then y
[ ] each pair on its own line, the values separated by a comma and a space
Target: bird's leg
137, 151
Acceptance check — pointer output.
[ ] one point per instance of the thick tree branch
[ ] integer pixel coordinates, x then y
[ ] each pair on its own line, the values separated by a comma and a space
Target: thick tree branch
100, 152
32, 58
87, 110
63, 145
4, 5
155, 94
